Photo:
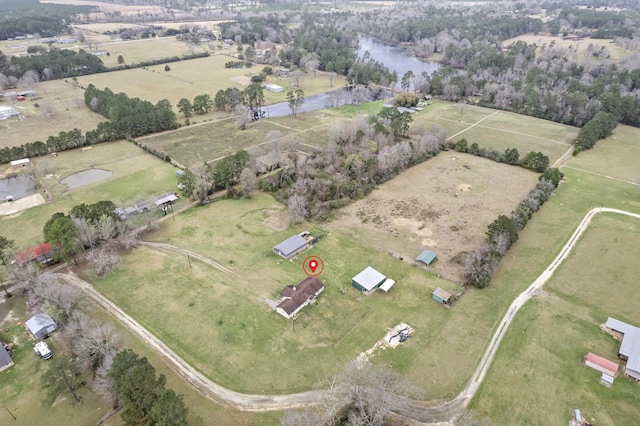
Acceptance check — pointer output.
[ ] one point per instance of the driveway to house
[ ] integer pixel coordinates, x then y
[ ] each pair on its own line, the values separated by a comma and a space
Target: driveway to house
419, 411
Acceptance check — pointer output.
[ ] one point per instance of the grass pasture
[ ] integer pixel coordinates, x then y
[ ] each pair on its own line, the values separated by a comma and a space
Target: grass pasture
579, 47
136, 174
61, 109
543, 351
443, 204
236, 331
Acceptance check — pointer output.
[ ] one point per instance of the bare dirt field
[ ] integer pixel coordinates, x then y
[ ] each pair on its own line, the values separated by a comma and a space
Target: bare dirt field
20, 205
444, 205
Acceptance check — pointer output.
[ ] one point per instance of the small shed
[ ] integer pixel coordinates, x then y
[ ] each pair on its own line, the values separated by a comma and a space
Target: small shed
5, 358
387, 284
606, 379
273, 88
368, 280
427, 257
441, 296
179, 172
24, 162
600, 364
41, 325
292, 245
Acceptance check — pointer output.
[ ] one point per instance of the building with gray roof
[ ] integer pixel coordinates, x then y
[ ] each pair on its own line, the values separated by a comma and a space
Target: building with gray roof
41, 325
293, 245
629, 350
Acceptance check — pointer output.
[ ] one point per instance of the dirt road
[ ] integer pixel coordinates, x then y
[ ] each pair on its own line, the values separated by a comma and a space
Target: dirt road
419, 411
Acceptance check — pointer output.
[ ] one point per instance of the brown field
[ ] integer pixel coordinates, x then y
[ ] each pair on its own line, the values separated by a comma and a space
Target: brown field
67, 111
444, 205
111, 7
579, 46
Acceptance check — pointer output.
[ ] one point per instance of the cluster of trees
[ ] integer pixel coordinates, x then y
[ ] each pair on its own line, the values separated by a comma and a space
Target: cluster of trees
599, 127
62, 142
22, 17
480, 265
536, 161
128, 117
201, 104
142, 394
238, 64
52, 63
268, 27
247, 104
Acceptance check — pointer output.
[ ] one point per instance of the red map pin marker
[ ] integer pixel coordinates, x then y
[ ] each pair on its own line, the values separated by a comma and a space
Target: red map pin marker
313, 266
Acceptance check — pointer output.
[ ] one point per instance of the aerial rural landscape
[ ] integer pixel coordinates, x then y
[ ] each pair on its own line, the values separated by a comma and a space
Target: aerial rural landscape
319, 213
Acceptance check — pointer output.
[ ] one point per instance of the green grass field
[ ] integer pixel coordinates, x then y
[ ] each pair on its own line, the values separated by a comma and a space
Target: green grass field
136, 176
63, 102
543, 351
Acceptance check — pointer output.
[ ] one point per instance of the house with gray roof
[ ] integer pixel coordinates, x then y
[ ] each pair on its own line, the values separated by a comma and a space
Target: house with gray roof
5, 358
629, 350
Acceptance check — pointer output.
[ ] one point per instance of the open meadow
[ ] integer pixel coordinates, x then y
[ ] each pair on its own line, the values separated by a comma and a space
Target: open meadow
136, 176
443, 205
543, 352
577, 47
58, 107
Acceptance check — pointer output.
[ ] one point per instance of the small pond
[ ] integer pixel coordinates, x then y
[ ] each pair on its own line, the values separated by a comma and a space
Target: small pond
85, 177
17, 186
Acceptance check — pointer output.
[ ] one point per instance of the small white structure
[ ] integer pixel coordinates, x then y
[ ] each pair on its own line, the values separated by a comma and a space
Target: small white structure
20, 163
273, 88
387, 284
8, 112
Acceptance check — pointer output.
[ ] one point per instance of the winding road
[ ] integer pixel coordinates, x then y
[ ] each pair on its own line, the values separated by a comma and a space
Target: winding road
420, 411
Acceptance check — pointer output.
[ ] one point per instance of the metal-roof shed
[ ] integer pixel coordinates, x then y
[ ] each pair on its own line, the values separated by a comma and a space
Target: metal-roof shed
291, 246
427, 257
441, 296
387, 284
630, 346
40, 325
273, 88
367, 280
166, 199
21, 162
601, 364
5, 358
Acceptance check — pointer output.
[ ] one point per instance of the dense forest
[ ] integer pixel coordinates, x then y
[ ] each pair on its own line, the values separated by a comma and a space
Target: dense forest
22, 17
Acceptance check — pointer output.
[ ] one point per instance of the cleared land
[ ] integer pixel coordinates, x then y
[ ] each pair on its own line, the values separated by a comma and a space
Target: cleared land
617, 156
136, 175
579, 48
444, 205
550, 363
503, 130
61, 108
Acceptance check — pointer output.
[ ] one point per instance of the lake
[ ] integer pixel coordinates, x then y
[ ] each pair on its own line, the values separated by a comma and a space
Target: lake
85, 177
393, 57
17, 186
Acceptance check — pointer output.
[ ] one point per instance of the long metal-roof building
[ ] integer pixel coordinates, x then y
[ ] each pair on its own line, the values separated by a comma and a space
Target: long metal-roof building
629, 350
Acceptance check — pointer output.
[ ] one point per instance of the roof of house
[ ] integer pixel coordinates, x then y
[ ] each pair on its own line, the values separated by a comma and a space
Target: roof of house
442, 293
427, 257
5, 358
369, 278
39, 321
32, 253
291, 245
630, 346
297, 295
602, 362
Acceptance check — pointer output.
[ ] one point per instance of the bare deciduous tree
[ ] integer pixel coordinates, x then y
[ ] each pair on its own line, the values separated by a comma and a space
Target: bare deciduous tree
102, 260
61, 297
297, 205
248, 181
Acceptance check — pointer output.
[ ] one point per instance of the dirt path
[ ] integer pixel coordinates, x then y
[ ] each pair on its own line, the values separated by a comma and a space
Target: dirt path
473, 125
564, 158
418, 411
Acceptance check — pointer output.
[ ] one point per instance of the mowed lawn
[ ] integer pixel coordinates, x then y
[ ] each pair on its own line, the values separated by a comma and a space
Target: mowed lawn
502, 130
617, 156
61, 108
223, 326
542, 354
137, 175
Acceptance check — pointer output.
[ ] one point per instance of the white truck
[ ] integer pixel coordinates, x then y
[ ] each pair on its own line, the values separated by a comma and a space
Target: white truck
42, 350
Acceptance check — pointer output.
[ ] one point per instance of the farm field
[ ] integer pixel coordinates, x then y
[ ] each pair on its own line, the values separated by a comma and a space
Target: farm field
136, 175
579, 298
194, 77
443, 205
579, 46
61, 108
617, 156
501, 130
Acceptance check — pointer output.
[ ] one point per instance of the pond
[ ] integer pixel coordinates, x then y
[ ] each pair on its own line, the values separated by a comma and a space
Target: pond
393, 57
17, 186
310, 103
86, 177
